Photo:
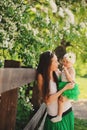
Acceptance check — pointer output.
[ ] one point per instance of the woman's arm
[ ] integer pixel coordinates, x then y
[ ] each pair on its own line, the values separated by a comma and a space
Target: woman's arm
54, 97
40, 84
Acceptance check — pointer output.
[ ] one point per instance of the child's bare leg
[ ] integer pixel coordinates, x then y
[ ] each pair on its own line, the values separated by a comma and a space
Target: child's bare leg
60, 107
60, 111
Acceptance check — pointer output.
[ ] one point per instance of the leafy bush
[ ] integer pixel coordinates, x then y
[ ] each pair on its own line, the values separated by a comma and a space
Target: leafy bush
24, 109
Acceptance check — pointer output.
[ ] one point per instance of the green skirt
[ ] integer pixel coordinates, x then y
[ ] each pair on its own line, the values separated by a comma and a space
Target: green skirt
67, 123
71, 93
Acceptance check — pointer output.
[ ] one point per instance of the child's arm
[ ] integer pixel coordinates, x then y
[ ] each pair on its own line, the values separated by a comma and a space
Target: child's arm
70, 74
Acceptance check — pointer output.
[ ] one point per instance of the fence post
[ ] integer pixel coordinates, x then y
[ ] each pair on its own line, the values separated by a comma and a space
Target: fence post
8, 103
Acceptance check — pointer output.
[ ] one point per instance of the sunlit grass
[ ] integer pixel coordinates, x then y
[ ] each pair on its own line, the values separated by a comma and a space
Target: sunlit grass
83, 87
80, 124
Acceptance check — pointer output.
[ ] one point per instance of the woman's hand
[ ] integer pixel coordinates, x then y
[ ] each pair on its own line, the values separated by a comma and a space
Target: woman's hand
62, 98
69, 86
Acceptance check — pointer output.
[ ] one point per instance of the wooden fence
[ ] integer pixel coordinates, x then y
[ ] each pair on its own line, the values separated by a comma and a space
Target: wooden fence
11, 78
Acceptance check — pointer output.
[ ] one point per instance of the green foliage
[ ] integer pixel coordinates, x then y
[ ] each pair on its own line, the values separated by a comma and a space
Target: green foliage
23, 110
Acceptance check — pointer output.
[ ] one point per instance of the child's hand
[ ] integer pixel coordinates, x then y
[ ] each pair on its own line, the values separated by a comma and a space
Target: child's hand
69, 86
64, 68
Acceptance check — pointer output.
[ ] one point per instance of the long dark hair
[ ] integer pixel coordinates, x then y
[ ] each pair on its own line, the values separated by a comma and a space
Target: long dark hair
43, 69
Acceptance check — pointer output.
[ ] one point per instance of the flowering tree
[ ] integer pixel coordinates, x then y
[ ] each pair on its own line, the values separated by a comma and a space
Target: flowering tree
31, 27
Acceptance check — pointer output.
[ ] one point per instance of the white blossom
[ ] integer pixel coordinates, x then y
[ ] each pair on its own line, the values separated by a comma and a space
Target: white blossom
53, 6
33, 9
61, 12
47, 19
70, 16
35, 31
0, 18
82, 24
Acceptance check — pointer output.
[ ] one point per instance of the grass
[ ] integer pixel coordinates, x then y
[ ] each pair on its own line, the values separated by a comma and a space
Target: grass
82, 86
81, 124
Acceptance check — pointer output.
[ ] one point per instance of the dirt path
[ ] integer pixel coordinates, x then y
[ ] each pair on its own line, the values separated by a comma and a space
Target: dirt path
80, 109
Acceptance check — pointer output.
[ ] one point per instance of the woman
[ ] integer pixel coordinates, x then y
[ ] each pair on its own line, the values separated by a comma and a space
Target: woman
47, 81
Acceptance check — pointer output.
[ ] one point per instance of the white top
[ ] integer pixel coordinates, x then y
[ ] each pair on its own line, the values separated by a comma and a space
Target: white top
52, 109
71, 71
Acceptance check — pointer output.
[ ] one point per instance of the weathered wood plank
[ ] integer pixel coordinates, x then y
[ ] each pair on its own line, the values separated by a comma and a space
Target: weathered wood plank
8, 105
36, 118
8, 109
11, 78
42, 123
